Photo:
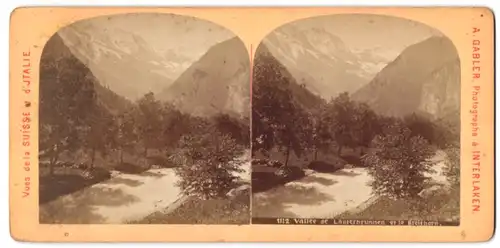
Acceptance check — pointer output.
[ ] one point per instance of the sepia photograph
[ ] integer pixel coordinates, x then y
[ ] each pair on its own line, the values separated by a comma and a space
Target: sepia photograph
356, 119
144, 119
232, 124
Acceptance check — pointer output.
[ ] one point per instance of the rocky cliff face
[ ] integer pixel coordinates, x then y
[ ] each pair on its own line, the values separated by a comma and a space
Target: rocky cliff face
424, 78
218, 82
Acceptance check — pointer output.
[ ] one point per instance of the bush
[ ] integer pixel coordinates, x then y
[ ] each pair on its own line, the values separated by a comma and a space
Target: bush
399, 163
211, 166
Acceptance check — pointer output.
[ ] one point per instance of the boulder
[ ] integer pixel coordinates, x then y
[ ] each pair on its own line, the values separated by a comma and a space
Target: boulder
274, 163
321, 166
349, 166
115, 173
289, 173
238, 191
96, 173
156, 166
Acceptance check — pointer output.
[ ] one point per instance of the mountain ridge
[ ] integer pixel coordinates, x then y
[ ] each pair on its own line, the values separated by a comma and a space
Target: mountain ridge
320, 60
124, 61
218, 82
55, 49
281, 76
424, 78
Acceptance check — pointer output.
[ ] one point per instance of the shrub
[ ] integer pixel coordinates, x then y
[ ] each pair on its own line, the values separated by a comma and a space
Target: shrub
399, 163
211, 166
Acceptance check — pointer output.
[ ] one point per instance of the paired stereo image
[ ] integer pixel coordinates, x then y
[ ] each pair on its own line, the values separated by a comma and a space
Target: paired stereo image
350, 119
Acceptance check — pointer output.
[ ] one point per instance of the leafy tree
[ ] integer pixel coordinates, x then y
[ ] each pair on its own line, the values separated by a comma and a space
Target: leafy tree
212, 165
100, 133
399, 162
339, 115
268, 99
311, 131
175, 124
442, 132
233, 127
150, 122
276, 116
127, 136
66, 99
364, 125
295, 134
423, 126
448, 130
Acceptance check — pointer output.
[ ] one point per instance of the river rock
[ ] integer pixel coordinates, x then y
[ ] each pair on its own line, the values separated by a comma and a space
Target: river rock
238, 191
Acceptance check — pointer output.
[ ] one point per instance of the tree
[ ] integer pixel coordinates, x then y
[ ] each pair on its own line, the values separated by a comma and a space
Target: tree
66, 98
399, 162
269, 98
127, 136
150, 122
294, 133
213, 164
442, 132
364, 125
175, 124
422, 125
277, 118
100, 134
311, 130
233, 127
339, 115
448, 130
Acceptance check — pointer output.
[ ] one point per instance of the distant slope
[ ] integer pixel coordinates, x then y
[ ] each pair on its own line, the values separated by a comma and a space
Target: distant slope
219, 82
268, 70
320, 60
54, 50
123, 61
424, 78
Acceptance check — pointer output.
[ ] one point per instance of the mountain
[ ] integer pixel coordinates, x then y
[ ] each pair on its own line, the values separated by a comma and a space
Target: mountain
123, 60
424, 78
219, 82
54, 51
269, 70
320, 60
